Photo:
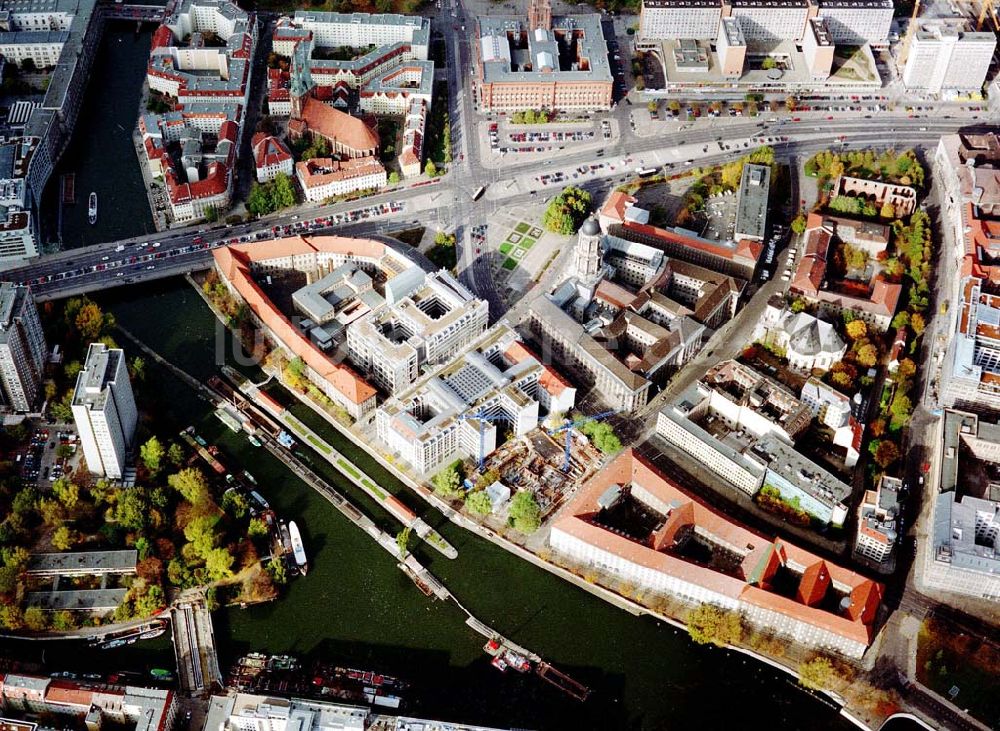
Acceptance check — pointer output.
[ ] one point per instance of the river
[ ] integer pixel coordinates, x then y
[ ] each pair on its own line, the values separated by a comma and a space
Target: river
355, 605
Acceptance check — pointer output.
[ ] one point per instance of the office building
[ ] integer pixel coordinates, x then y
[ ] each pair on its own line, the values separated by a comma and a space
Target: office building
697, 19
71, 703
104, 411
562, 65
454, 411
18, 239
836, 411
751, 206
818, 49
634, 523
22, 348
424, 327
856, 22
963, 555
946, 60
770, 21
878, 517
731, 47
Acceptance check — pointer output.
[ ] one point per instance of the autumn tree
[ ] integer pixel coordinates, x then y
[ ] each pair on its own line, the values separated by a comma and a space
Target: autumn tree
885, 453
479, 503
917, 323
867, 355
151, 453
708, 624
856, 329
817, 674
191, 484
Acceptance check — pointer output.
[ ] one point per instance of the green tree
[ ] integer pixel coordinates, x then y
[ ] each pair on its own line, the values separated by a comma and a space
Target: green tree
150, 601
393, 178
137, 368
89, 322
867, 355
152, 453
8, 580
52, 512
525, 513
211, 214
259, 200
817, 674
403, 541
282, 192
191, 484
11, 617
768, 63
479, 503
25, 500
236, 503
35, 619
131, 510
201, 534
276, 568
799, 223
66, 492
143, 547
175, 455
256, 528
448, 482
567, 211
902, 319
218, 563
710, 624
64, 621
430, 169
64, 538
900, 409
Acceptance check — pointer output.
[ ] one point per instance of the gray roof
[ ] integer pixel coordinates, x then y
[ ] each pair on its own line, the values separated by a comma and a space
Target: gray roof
93, 384
955, 533
84, 599
77, 561
751, 211
590, 227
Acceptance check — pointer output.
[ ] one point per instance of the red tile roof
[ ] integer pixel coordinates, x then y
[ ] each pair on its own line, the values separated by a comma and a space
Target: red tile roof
351, 132
268, 150
550, 379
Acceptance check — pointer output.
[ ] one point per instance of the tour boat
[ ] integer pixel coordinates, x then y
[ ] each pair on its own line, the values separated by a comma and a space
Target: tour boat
298, 550
92, 209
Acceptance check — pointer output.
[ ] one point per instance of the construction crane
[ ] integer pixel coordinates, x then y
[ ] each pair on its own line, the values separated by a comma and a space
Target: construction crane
910, 30
569, 426
482, 416
988, 6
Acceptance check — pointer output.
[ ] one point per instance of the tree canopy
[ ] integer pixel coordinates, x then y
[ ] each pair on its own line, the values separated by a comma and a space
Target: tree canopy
567, 211
525, 514
710, 624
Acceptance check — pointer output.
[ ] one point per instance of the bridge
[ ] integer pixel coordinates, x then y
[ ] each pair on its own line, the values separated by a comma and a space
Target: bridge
194, 646
133, 11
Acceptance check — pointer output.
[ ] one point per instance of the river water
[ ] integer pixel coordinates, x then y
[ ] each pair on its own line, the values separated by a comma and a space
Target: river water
354, 605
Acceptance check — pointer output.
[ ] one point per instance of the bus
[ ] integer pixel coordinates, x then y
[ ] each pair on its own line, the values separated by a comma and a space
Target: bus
479, 192
645, 172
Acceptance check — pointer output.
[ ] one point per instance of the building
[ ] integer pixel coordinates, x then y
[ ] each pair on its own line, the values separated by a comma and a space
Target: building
42, 47
835, 411
697, 19
857, 22
104, 411
454, 410
18, 239
963, 555
631, 521
874, 300
271, 157
425, 326
802, 483
751, 208
971, 167
562, 65
807, 342
971, 370
770, 21
22, 348
322, 178
91, 704
878, 513
946, 60
201, 58
243, 711
902, 198
818, 49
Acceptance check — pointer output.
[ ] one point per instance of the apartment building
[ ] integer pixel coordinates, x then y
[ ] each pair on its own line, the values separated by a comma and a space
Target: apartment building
878, 528
835, 410
426, 326
41, 47
104, 411
698, 19
454, 410
856, 22
22, 348
770, 21
971, 370
826, 606
271, 157
945, 59
323, 178
751, 205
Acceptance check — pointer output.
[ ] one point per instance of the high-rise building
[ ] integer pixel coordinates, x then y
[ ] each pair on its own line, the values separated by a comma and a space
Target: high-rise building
22, 347
946, 59
104, 410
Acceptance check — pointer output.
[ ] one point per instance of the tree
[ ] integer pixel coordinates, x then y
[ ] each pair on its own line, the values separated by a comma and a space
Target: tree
66, 492
64, 538
89, 322
175, 455
393, 178
137, 367
791, 103
219, 564
152, 453
35, 619
150, 601
885, 453
131, 511
902, 319
768, 63
710, 624
276, 568
191, 484
888, 210
448, 482
867, 355
856, 329
479, 503
525, 513
52, 512
816, 674
236, 503
259, 200
256, 528
211, 214
906, 369
917, 323
8, 580
900, 410
430, 169
567, 211
403, 541
11, 617
799, 224
64, 621
282, 192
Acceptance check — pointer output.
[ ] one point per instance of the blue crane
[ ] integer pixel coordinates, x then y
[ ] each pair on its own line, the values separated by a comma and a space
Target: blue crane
569, 426
482, 416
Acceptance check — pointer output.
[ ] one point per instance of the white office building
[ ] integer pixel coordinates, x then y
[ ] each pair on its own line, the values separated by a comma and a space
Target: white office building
670, 19
771, 21
22, 347
878, 513
946, 60
856, 22
104, 410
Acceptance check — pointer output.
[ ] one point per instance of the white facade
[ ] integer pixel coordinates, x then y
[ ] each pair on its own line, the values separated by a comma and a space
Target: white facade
104, 410
318, 186
361, 29
42, 47
769, 21
946, 61
674, 19
856, 22
22, 347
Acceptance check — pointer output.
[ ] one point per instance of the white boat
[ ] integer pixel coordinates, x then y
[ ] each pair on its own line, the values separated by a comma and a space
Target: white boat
298, 550
92, 209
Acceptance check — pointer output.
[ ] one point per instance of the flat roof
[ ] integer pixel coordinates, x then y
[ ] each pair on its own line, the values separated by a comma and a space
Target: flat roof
77, 561
751, 210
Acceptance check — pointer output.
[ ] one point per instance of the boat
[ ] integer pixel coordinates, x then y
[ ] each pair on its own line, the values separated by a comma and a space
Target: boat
254, 441
152, 632
298, 550
499, 663
112, 644
161, 674
517, 661
92, 208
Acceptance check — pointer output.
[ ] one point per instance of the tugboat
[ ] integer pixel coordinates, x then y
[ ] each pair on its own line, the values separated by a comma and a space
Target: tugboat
92, 208
298, 550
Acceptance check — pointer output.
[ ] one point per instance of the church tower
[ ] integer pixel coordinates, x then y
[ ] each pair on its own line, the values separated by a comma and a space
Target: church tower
540, 14
588, 255
302, 83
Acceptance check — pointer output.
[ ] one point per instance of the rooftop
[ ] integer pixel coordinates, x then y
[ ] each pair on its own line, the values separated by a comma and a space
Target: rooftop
751, 211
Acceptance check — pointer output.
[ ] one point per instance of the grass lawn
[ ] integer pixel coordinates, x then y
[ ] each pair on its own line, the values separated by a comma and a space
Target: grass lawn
946, 660
509, 264
505, 248
527, 244
522, 228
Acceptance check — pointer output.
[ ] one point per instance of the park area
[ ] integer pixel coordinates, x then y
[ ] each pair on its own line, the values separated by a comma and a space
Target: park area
961, 667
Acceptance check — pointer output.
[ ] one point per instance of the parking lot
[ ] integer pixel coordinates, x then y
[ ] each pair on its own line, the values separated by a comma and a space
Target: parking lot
49, 455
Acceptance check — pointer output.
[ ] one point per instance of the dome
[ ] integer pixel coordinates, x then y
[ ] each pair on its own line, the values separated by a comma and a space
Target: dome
590, 227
